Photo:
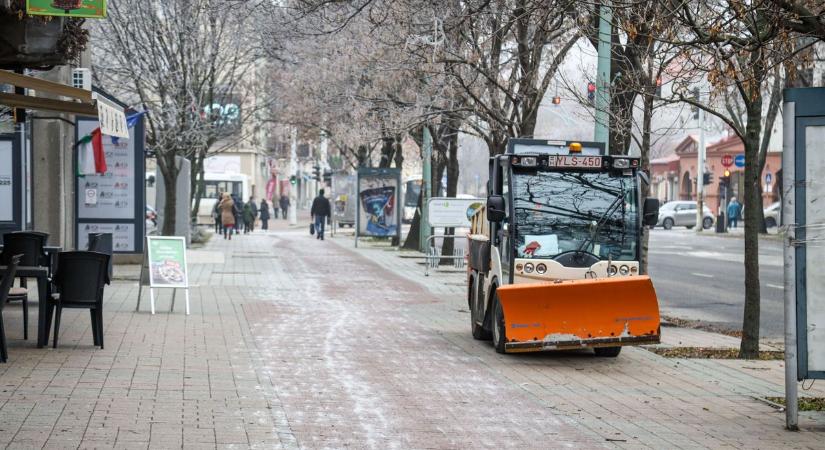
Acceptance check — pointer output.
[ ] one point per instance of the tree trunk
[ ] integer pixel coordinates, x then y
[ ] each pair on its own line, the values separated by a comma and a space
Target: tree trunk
749, 348
448, 246
197, 184
647, 121
413, 240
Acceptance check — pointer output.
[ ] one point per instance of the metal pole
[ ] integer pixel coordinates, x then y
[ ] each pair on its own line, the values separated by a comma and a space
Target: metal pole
426, 190
601, 133
293, 169
700, 177
789, 218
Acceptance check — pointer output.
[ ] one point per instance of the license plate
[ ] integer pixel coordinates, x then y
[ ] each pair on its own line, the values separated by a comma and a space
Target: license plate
583, 162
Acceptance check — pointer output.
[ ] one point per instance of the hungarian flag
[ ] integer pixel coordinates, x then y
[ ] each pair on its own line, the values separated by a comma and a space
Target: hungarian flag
90, 156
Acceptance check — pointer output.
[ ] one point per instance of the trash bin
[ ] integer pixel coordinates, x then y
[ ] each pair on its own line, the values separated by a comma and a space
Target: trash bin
720, 223
102, 243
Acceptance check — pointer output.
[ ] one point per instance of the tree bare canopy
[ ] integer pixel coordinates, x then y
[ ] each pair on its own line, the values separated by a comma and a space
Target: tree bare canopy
187, 64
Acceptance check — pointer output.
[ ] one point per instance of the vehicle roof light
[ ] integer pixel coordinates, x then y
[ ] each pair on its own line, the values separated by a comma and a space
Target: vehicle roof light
575, 147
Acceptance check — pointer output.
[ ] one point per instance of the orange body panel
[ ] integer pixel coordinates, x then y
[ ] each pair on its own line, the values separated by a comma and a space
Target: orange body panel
600, 312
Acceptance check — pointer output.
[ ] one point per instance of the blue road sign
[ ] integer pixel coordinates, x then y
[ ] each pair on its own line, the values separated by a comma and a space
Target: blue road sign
768, 178
739, 161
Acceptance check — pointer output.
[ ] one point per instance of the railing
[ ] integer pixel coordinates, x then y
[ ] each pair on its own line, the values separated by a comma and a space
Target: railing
433, 257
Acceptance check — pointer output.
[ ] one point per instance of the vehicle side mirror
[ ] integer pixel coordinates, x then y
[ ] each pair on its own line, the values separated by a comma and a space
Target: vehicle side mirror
650, 214
495, 208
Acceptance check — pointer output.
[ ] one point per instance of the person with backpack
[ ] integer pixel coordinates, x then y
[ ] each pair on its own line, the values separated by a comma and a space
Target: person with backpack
264, 214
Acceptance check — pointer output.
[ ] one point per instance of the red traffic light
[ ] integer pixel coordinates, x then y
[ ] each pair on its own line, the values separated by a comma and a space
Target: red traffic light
591, 87
658, 81
557, 100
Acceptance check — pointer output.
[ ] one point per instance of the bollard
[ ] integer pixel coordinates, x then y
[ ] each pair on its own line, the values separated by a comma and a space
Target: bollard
720, 223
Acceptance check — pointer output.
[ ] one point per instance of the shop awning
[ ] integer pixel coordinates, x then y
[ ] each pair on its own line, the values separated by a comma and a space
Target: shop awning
112, 116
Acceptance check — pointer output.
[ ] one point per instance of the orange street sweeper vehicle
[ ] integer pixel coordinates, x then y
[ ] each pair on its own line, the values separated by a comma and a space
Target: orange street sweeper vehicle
553, 258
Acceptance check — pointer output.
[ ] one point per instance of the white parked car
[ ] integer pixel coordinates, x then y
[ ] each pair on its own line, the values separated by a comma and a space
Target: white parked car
682, 213
773, 215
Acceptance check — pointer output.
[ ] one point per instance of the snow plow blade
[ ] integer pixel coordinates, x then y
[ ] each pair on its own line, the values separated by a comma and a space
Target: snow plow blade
571, 314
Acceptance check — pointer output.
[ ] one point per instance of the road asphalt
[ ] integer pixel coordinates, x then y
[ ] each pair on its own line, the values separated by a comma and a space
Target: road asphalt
701, 276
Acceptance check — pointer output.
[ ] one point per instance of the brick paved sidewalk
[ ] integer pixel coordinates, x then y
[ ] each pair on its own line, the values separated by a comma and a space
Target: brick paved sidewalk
297, 343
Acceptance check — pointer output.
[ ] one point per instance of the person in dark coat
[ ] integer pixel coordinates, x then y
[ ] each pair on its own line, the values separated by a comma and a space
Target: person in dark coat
284, 205
264, 215
248, 217
254, 207
238, 213
320, 211
216, 214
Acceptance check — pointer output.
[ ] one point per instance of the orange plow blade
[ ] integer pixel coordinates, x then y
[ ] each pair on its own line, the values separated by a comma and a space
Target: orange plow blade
558, 315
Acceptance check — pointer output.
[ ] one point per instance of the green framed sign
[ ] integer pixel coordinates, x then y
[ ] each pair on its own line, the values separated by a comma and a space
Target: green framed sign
95, 9
167, 261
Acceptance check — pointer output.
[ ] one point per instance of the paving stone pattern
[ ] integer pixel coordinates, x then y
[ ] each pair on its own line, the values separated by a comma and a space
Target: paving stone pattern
297, 343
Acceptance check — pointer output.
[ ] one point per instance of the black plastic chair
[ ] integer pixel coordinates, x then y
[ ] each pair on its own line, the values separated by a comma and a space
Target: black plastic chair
79, 281
102, 243
29, 245
5, 286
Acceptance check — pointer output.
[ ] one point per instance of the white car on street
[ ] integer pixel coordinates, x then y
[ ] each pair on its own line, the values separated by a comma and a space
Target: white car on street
682, 213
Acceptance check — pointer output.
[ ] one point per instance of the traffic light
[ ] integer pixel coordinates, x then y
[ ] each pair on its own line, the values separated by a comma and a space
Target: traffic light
707, 178
591, 91
557, 100
316, 172
724, 180
658, 86
328, 176
293, 180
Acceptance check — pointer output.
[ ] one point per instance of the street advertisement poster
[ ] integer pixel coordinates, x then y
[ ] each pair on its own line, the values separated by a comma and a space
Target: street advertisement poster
451, 212
814, 253
94, 9
167, 261
6, 186
343, 197
123, 235
110, 195
378, 199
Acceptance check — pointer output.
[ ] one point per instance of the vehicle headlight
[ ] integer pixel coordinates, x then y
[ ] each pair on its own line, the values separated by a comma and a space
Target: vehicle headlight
612, 270
528, 268
541, 269
624, 270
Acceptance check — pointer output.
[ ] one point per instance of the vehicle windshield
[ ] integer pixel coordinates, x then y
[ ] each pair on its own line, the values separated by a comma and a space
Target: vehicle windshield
557, 212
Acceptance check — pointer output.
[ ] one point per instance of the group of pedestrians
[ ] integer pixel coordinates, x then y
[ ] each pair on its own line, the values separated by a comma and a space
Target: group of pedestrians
233, 216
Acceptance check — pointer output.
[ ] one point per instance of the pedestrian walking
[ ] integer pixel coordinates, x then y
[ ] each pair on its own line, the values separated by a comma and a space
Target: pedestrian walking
238, 213
254, 207
275, 208
264, 214
320, 212
248, 217
227, 209
284, 205
734, 210
216, 214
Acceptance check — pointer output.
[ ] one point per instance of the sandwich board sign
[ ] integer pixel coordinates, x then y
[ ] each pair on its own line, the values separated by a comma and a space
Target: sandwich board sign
164, 266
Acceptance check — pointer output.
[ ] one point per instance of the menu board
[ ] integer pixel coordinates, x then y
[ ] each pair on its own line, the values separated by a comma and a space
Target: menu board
123, 235
110, 195
6, 182
167, 261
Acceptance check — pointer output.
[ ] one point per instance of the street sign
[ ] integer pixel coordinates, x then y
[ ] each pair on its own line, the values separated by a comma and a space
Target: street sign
167, 261
727, 160
452, 212
768, 178
739, 160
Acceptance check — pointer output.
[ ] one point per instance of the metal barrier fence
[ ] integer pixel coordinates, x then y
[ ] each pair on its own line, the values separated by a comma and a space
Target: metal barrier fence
434, 257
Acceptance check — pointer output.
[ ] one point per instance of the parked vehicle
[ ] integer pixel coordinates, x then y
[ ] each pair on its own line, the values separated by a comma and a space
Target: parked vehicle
773, 215
554, 256
682, 213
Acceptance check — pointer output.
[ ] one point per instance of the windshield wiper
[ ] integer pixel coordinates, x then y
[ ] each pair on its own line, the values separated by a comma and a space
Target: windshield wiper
602, 220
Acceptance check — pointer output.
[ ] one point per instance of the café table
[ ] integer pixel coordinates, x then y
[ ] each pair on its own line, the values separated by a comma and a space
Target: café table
41, 274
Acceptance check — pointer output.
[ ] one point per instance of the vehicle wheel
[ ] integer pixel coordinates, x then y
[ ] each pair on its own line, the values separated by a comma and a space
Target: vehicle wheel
499, 335
707, 223
668, 223
607, 352
770, 222
476, 316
